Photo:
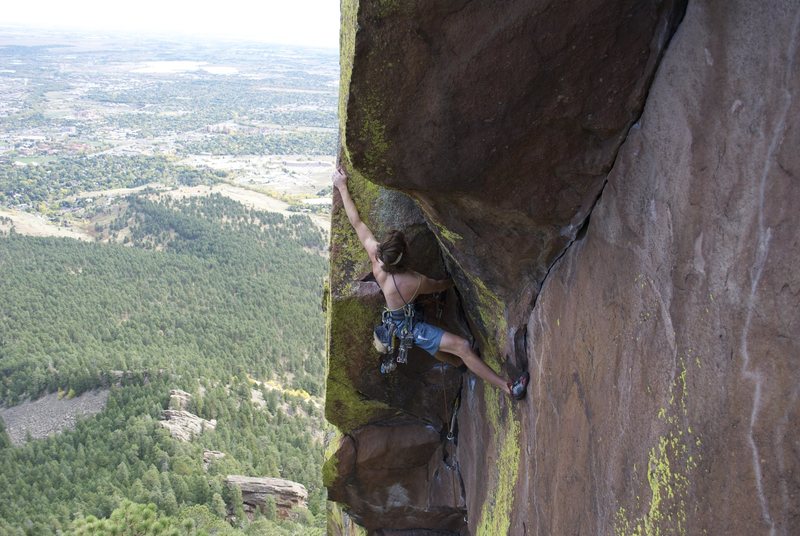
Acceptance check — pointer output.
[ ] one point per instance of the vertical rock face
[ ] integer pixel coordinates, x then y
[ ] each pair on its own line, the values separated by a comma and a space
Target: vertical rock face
661, 334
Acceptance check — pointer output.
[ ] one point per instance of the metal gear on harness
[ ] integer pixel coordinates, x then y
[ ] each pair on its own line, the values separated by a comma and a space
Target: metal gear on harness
406, 334
388, 364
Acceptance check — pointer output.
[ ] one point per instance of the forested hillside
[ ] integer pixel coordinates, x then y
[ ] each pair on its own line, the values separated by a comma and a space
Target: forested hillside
241, 296
201, 294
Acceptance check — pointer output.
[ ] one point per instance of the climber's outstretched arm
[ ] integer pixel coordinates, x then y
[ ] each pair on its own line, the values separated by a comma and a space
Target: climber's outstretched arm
364, 234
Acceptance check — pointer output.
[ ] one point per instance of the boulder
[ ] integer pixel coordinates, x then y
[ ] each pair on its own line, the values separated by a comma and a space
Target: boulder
255, 491
383, 471
179, 399
184, 426
209, 456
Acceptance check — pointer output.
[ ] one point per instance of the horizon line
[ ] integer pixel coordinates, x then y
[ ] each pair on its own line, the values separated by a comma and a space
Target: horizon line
111, 34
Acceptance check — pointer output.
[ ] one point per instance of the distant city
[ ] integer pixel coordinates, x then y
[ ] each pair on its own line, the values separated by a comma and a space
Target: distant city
108, 113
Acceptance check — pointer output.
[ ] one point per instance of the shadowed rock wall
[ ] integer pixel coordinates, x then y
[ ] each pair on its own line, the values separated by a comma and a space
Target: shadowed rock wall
662, 345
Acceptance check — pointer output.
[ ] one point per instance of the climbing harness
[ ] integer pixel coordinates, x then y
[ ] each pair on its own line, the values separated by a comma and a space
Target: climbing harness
387, 337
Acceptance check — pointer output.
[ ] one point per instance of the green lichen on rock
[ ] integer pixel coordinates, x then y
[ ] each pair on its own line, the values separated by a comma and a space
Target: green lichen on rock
337, 526
368, 115
347, 47
365, 194
330, 471
666, 512
670, 463
447, 234
348, 409
491, 398
492, 315
351, 328
348, 253
373, 133
496, 510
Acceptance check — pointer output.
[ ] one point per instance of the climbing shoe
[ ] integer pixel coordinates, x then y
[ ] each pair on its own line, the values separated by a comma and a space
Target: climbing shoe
520, 386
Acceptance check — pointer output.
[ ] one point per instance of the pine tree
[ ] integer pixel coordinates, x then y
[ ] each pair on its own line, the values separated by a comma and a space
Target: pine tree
218, 506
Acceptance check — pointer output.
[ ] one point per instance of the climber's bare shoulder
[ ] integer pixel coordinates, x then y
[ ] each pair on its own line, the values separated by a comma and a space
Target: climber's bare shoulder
430, 286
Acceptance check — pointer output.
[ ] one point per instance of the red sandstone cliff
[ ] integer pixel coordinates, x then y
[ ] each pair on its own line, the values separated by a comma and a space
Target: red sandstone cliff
619, 207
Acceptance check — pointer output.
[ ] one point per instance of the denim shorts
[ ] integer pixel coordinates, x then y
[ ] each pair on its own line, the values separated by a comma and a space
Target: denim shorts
426, 336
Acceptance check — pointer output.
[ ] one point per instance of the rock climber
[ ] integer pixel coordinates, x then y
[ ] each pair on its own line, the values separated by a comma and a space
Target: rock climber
401, 286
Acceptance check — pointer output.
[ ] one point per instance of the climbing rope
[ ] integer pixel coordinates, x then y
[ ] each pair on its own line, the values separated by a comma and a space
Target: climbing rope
450, 435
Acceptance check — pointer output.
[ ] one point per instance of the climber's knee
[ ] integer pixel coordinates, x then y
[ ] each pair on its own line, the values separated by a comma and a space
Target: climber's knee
453, 344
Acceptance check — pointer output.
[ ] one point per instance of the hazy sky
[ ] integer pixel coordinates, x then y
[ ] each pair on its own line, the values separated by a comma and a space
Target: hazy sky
303, 22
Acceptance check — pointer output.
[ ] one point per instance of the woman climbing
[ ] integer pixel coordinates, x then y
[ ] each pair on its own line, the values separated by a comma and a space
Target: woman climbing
401, 286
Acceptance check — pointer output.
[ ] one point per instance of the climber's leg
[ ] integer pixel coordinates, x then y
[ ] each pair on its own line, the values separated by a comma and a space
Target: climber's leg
453, 344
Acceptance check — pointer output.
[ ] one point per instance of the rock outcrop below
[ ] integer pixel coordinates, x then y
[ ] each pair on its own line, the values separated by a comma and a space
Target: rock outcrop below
256, 490
179, 399
184, 426
621, 220
210, 456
